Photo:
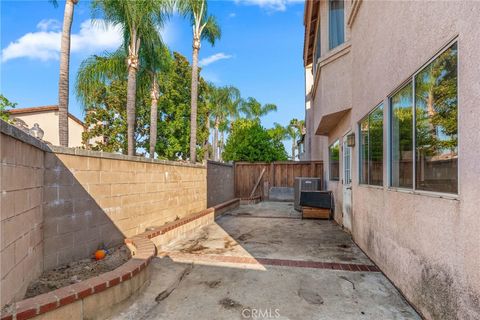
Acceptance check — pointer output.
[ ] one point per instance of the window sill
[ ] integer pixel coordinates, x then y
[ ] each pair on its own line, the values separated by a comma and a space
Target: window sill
371, 186
446, 196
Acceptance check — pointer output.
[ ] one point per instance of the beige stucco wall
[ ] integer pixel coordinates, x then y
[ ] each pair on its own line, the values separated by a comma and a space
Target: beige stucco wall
427, 245
48, 121
430, 247
21, 188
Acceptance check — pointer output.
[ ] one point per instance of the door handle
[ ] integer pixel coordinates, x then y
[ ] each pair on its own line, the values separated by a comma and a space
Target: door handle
348, 188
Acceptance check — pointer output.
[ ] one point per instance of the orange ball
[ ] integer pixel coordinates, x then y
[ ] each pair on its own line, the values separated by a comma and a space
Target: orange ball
100, 254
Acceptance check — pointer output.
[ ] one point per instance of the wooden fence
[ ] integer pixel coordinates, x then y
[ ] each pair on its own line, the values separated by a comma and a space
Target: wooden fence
275, 174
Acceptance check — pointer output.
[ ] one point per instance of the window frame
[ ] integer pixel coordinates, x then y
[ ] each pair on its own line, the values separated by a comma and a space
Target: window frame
330, 162
411, 79
359, 126
330, 48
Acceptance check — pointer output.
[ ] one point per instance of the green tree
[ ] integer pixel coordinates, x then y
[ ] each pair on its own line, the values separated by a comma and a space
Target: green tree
249, 141
252, 109
204, 27
5, 104
174, 110
139, 20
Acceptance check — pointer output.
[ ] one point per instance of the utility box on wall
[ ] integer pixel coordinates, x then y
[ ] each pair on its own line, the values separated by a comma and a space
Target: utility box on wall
305, 184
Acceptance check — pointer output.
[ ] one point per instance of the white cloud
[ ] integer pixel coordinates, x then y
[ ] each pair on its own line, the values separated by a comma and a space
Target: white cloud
274, 5
45, 43
49, 24
214, 58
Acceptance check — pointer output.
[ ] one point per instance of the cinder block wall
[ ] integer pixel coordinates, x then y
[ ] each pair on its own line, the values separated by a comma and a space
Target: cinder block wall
21, 185
93, 198
60, 204
220, 182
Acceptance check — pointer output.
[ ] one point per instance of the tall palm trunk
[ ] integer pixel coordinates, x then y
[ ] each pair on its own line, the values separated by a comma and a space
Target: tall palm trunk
63, 82
132, 90
153, 116
207, 141
215, 139
222, 147
293, 150
194, 97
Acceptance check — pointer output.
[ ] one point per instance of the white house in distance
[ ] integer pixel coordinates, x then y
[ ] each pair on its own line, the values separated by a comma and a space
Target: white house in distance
47, 119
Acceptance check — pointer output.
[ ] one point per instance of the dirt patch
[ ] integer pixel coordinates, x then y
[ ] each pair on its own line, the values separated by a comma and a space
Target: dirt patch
213, 284
229, 243
310, 296
343, 246
228, 303
77, 271
194, 245
245, 236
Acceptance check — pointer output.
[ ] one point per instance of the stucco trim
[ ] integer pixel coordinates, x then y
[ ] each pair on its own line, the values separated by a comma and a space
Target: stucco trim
353, 12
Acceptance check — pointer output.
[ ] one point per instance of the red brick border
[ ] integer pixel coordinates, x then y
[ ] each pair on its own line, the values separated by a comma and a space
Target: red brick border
29, 308
145, 251
265, 217
275, 262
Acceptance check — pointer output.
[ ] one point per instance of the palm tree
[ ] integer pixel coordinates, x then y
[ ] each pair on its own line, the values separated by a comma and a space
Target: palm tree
252, 109
294, 131
63, 82
139, 20
204, 27
154, 56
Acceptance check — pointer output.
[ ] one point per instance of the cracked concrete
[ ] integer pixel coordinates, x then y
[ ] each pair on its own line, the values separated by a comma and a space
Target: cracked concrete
218, 290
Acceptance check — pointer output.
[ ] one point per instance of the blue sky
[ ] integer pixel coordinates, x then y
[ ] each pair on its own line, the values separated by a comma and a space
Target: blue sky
260, 51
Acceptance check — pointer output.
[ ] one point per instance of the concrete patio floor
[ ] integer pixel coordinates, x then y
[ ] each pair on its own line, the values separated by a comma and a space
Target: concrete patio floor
263, 262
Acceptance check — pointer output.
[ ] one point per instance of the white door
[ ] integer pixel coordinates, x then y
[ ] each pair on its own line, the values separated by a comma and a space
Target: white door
347, 185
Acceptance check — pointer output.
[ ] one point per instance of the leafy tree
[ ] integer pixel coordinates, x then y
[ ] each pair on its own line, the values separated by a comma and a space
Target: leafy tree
5, 104
174, 109
249, 141
204, 27
139, 20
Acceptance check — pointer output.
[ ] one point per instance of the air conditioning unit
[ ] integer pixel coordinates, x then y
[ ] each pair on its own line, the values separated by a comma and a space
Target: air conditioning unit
305, 184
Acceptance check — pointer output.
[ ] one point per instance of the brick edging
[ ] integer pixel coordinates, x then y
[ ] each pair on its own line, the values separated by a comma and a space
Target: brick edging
274, 262
145, 250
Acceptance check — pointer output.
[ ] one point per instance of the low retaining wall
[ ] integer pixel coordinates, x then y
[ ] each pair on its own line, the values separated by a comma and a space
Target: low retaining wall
99, 297
96, 297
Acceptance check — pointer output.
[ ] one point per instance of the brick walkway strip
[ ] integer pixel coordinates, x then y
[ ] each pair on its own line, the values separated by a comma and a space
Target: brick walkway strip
272, 262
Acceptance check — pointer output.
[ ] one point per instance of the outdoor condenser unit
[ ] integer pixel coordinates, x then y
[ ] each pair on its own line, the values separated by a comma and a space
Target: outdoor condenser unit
305, 184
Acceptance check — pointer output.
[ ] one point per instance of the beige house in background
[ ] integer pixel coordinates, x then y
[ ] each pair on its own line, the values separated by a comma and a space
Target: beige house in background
47, 118
392, 108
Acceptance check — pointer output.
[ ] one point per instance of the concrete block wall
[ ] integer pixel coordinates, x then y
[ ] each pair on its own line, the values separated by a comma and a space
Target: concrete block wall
93, 198
60, 204
21, 185
220, 183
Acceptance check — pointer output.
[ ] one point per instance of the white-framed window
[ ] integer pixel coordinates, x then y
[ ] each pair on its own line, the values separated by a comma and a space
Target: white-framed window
334, 161
424, 128
371, 147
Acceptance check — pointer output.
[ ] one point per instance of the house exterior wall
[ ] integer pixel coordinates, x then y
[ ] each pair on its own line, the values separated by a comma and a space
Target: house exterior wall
427, 244
48, 121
